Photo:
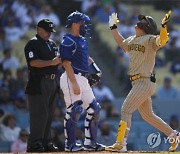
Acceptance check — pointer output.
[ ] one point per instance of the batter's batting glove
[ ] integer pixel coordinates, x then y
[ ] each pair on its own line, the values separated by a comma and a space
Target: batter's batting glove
113, 20
166, 18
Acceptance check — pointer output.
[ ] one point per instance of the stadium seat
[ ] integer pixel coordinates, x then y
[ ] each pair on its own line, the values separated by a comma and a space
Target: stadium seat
5, 146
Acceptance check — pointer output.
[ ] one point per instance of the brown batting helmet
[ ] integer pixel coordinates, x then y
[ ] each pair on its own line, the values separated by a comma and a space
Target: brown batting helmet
148, 25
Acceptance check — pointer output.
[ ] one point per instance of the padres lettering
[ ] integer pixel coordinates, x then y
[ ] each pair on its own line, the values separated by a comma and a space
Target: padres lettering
136, 47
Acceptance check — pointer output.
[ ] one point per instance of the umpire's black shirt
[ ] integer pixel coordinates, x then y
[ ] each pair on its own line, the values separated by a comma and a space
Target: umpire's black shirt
37, 48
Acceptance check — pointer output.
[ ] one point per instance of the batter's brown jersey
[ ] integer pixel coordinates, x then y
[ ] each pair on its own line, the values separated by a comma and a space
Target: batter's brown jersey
142, 52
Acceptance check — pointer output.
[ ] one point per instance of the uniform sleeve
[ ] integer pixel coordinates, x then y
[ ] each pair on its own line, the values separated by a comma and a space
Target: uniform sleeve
31, 50
67, 48
152, 42
125, 43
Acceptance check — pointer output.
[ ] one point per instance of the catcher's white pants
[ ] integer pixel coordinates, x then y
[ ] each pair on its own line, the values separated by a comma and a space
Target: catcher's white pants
86, 94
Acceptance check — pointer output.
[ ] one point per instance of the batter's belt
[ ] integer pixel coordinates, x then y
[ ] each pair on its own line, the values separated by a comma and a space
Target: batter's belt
135, 77
138, 76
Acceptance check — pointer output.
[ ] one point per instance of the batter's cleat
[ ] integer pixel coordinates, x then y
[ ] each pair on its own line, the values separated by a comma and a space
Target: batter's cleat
116, 147
94, 147
175, 144
74, 148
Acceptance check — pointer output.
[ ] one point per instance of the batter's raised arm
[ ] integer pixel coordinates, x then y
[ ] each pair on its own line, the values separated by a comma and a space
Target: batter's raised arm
113, 20
163, 38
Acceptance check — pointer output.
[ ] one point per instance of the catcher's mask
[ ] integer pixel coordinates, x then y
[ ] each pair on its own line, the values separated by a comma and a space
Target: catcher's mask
83, 19
148, 24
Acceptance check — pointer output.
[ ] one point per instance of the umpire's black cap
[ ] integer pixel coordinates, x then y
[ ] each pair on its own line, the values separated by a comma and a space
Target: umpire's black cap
47, 25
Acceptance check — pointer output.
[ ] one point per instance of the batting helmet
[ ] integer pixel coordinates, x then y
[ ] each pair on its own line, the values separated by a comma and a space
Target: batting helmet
76, 17
148, 25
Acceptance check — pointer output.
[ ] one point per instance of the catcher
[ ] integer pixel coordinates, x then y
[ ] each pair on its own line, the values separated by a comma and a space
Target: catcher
76, 88
142, 49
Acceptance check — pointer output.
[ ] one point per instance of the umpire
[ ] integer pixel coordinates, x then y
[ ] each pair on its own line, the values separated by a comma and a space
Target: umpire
42, 59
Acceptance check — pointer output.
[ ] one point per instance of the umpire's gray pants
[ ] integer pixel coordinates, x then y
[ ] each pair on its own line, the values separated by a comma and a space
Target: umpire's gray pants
41, 109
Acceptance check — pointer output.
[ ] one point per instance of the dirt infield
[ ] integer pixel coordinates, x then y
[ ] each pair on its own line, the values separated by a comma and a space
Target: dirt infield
105, 152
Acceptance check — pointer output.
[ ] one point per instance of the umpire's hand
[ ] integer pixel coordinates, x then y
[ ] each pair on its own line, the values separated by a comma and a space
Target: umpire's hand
56, 61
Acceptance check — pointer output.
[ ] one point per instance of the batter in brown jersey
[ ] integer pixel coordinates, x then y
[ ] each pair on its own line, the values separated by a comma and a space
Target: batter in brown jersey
142, 49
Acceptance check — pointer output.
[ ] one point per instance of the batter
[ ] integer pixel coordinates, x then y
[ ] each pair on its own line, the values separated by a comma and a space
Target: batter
142, 49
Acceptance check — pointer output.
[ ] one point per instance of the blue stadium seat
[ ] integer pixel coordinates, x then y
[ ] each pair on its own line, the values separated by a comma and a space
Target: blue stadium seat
5, 146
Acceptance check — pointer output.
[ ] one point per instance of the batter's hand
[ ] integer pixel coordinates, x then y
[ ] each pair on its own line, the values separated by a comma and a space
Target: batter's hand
113, 20
166, 18
76, 88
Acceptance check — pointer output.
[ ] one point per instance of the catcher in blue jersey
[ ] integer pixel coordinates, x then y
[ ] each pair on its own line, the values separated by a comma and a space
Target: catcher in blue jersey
76, 84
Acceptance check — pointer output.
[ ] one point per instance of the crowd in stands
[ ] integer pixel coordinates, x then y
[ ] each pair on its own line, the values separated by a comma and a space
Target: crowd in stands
17, 17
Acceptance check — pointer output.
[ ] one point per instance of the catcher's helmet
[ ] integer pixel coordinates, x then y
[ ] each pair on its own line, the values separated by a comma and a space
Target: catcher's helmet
76, 17
149, 25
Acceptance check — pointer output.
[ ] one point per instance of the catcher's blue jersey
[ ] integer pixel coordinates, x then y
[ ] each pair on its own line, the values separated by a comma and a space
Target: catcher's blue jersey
75, 49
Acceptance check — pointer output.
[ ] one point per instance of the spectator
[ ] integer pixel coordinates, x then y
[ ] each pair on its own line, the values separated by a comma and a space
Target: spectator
88, 6
106, 135
176, 13
167, 91
3, 5
4, 43
126, 28
21, 113
9, 130
20, 144
112, 111
102, 14
172, 51
13, 33
7, 80
6, 101
9, 61
175, 66
47, 13
18, 85
102, 92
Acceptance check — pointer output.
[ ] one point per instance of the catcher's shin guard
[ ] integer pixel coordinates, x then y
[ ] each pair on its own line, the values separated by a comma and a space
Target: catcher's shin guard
70, 123
91, 123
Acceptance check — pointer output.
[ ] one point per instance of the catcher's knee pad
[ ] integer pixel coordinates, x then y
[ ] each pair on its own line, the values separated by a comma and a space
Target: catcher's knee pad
91, 121
70, 121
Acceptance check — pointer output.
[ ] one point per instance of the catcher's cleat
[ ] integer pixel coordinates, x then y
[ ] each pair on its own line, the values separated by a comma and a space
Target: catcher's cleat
116, 147
95, 147
73, 148
175, 144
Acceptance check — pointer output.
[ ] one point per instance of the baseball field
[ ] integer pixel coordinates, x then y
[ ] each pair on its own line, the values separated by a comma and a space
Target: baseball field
105, 152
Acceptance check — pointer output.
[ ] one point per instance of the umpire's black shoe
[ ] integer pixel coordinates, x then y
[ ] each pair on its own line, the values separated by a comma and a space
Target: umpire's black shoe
50, 147
35, 147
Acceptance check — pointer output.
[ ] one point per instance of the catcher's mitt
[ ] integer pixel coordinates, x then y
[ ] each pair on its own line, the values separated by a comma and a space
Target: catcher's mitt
94, 79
